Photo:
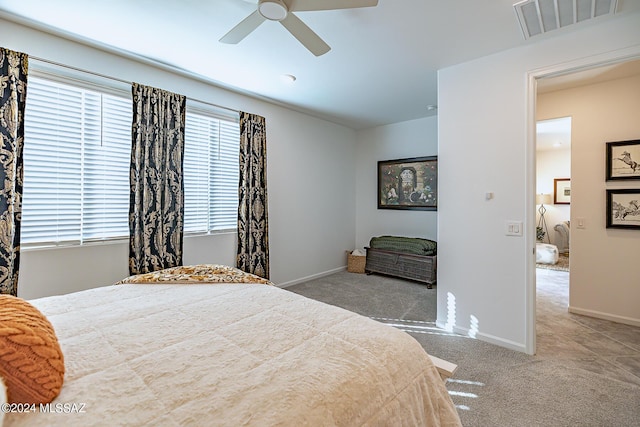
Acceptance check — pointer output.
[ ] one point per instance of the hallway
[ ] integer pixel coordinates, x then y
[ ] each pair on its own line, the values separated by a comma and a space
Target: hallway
600, 346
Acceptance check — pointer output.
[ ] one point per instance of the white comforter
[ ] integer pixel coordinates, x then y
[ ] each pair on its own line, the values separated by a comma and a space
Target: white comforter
232, 355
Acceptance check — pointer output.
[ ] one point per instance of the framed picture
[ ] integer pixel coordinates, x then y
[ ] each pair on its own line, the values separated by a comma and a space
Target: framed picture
623, 160
562, 191
408, 183
623, 208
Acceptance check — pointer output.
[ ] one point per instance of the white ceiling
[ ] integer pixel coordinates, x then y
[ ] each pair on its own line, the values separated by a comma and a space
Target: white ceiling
590, 76
382, 67
553, 134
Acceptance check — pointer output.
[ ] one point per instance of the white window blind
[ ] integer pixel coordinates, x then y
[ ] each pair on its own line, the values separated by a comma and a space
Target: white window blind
211, 171
76, 164
77, 159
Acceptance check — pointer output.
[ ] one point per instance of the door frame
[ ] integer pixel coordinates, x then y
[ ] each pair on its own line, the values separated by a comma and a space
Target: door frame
609, 58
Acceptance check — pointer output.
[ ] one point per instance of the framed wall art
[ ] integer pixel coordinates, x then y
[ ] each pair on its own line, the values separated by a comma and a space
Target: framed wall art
623, 208
562, 191
408, 183
623, 160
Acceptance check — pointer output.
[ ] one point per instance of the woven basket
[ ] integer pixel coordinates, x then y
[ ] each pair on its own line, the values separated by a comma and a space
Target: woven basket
355, 263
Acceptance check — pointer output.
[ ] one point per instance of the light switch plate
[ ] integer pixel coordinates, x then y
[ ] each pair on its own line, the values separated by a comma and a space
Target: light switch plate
513, 228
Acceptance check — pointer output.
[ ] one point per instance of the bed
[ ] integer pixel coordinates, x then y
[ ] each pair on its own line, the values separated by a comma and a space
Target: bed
184, 351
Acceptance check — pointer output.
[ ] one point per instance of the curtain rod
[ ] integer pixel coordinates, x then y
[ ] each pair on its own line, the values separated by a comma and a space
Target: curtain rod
104, 76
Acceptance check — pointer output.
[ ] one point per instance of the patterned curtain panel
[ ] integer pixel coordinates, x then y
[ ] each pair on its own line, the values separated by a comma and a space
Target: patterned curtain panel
156, 211
253, 227
13, 93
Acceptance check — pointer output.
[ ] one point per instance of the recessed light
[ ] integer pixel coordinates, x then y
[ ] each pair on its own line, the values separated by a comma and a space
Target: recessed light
288, 78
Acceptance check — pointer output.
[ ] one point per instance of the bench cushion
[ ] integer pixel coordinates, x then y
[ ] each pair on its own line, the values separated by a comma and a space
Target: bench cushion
406, 245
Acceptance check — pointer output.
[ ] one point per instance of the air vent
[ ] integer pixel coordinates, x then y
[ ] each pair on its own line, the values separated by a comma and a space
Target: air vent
541, 16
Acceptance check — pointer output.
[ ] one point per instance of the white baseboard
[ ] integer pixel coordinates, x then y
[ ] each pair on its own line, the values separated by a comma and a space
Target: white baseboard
606, 316
491, 339
312, 277
511, 345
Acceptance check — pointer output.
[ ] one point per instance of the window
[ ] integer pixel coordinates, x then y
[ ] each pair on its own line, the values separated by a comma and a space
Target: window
76, 164
211, 172
77, 159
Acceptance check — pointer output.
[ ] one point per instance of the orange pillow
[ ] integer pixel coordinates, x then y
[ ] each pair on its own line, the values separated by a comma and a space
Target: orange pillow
31, 362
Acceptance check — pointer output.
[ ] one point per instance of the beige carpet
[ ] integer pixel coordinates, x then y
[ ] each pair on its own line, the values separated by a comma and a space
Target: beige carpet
586, 371
561, 265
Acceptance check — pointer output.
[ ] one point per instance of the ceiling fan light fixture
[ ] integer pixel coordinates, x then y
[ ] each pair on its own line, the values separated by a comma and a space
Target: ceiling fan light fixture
273, 10
278, 10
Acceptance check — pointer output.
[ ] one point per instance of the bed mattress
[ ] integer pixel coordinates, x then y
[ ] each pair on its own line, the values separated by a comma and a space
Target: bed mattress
232, 355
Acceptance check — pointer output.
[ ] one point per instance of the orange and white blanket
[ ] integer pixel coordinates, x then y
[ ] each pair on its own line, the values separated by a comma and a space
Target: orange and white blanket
232, 355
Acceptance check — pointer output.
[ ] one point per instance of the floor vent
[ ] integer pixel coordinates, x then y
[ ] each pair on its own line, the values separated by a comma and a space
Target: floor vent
541, 16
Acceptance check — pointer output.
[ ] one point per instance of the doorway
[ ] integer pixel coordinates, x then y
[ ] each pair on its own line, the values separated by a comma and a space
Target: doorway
608, 68
553, 186
553, 212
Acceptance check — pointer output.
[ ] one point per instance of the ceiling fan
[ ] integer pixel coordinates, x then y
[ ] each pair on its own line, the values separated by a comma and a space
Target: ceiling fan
281, 11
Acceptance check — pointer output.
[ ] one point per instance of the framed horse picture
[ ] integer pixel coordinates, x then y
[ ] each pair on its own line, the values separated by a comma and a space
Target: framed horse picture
623, 160
623, 208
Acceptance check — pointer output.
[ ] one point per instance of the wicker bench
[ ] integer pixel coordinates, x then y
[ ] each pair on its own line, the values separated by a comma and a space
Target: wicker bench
405, 257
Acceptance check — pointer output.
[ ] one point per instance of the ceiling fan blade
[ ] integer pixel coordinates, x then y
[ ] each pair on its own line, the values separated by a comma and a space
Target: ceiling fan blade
304, 5
243, 29
305, 35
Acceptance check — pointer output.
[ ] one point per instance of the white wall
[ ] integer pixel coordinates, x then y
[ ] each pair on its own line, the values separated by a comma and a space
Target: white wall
310, 175
552, 164
486, 129
414, 138
605, 273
